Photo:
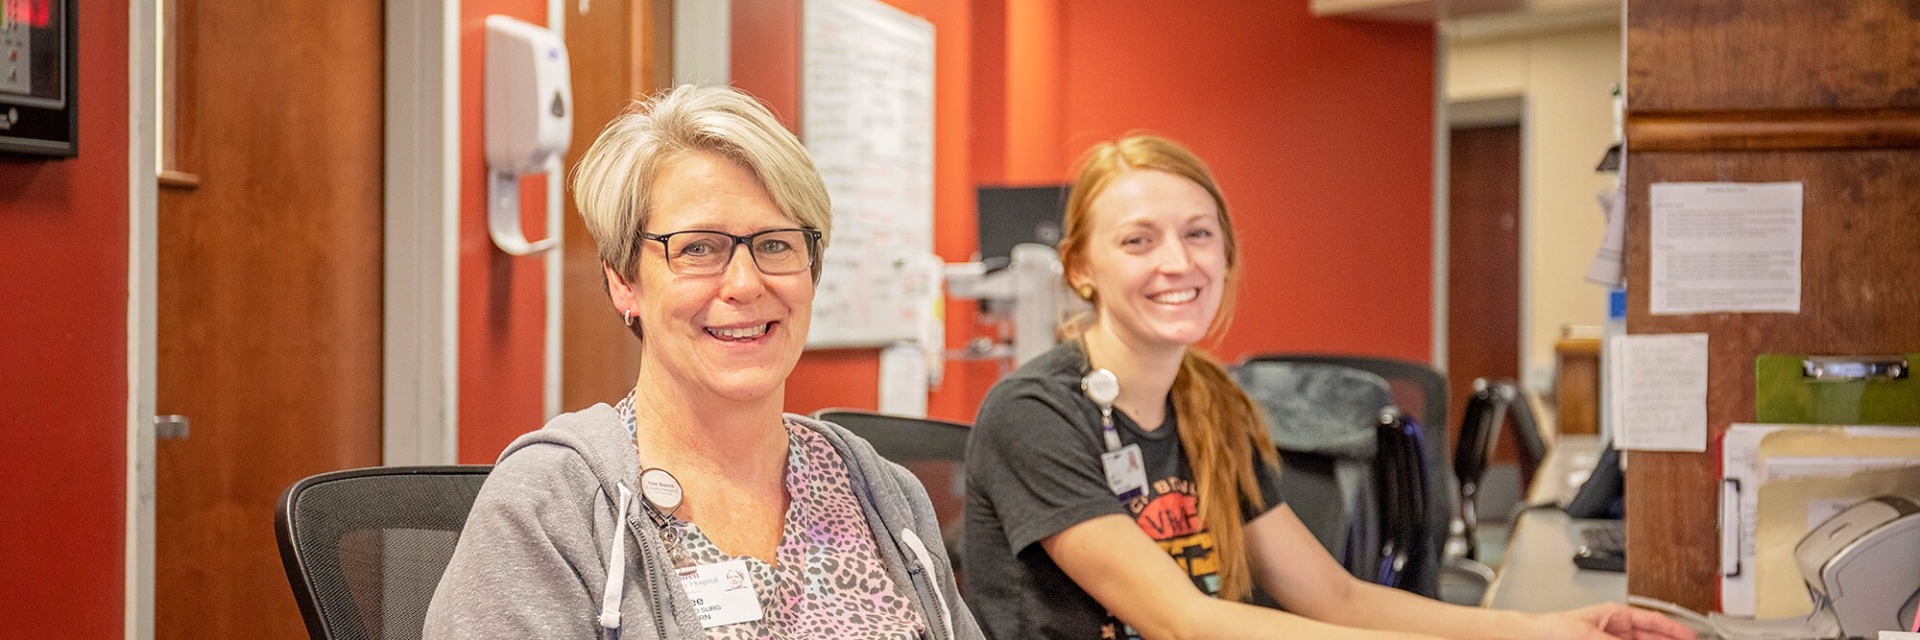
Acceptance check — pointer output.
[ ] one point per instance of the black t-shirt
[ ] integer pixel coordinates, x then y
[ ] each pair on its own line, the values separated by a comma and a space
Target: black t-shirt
1033, 470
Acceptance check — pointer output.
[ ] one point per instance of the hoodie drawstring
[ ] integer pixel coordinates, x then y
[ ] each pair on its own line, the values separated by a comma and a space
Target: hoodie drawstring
617, 565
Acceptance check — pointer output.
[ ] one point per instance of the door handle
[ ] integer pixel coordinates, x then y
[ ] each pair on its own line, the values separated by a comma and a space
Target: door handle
170, 427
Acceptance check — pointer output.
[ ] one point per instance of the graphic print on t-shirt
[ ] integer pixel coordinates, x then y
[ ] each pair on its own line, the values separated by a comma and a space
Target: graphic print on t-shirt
1170, 514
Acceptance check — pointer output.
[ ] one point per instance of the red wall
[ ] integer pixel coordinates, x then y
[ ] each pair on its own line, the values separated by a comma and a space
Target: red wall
63, 362
1320, 133
503, 317
1034, 119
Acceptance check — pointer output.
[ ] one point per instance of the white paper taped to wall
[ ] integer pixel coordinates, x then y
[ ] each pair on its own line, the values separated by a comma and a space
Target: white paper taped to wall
1724, 247
1660, 391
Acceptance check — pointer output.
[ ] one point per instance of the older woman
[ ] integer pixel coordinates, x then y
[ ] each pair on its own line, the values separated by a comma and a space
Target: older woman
694, 507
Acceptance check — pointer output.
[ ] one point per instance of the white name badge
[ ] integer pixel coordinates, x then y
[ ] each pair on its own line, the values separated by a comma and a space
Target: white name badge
1126, 471
722, 593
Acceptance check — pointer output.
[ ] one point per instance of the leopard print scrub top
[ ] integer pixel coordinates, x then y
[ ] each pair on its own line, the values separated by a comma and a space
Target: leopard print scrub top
830, 581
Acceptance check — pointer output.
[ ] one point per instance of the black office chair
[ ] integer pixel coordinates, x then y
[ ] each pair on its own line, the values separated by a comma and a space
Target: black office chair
1530, 435
1422, 393
934, 450
1356, 471
364, 548
1496, 406
1479, 433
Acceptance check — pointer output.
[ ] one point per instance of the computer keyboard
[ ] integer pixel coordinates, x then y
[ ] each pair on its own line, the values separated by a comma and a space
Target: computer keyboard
1610, 536
1604, 547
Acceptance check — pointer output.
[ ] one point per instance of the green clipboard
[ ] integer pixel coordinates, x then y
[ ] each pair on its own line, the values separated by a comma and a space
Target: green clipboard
1836, 390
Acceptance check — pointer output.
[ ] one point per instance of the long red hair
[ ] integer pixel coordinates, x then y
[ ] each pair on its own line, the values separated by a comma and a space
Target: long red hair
1220, 428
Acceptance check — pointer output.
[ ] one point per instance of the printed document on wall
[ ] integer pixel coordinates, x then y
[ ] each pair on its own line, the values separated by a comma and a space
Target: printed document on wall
1724, 247
1662, 391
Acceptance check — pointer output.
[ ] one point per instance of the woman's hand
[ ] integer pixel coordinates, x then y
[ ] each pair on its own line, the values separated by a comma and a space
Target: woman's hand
1610, 621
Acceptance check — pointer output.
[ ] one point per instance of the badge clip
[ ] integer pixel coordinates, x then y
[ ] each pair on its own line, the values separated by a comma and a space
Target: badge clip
1102, 387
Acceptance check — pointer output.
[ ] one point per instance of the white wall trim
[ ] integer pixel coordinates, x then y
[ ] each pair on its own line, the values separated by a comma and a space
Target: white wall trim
702, 41
556, 258
422, 282
1529, 141
143, 232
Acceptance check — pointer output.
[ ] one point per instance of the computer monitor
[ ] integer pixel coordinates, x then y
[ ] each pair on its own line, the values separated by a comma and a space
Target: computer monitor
1601, 495
1013, 215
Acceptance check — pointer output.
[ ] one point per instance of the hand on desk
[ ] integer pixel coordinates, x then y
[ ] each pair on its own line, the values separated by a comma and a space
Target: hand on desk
1609, 621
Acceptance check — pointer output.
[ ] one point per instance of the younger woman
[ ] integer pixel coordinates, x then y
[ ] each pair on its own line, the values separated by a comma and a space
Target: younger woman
1157, 515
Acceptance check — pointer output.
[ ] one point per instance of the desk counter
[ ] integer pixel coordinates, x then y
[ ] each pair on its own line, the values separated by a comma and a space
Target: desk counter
1538, 573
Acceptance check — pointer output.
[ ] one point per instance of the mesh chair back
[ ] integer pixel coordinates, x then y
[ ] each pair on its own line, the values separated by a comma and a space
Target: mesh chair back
934, 450
1317, 408
902, 439
1417, 389
364, 548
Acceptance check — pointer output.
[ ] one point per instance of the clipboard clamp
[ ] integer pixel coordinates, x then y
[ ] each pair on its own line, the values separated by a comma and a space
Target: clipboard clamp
1854, 368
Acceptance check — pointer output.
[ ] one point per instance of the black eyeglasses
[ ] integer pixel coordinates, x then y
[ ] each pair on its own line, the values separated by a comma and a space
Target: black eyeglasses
776, 252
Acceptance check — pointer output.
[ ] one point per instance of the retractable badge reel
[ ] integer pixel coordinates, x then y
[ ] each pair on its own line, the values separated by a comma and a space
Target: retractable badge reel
662, 493
1126, 471
1102, 387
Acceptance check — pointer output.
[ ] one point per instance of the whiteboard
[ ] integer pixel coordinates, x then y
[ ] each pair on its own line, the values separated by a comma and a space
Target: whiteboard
866, 116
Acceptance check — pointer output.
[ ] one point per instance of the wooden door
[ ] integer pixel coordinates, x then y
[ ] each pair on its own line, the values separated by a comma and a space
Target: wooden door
627, 42
1483, 262
269, 316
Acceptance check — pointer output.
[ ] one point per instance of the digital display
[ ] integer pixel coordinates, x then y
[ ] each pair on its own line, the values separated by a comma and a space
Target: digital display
32, 53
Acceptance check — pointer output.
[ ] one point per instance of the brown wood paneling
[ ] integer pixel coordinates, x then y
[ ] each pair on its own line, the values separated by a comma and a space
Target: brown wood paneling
1775, 130
1483, 263
1823, 92
1861, 226
622, 42
269, 296
1710, 55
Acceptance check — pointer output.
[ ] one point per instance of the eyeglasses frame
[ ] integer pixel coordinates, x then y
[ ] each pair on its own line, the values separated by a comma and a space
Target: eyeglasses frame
812, 236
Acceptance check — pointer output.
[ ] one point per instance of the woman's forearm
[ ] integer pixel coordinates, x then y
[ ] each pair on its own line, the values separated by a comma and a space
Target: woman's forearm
1215, 618
1377, 607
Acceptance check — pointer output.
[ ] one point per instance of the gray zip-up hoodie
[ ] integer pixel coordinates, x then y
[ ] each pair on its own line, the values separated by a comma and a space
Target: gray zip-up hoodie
557, 545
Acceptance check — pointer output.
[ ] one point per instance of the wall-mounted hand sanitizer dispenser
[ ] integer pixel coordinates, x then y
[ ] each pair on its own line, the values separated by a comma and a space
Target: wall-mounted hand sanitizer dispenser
529, 121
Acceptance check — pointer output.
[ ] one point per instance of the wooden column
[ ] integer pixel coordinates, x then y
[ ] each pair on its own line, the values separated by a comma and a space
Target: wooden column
1824, 92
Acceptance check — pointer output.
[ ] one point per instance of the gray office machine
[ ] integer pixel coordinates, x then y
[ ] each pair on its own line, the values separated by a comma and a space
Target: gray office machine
1862, 569
1865, 563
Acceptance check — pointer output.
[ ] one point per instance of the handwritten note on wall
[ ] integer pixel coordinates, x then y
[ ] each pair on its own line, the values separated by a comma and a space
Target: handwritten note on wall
867, 120
1661, 391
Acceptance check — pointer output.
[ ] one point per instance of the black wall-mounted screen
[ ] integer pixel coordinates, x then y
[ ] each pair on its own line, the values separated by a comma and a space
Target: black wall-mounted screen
1013, 215
37, 83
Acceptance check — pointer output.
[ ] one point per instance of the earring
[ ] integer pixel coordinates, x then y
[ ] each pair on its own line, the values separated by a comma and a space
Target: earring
1086, 292
628, 314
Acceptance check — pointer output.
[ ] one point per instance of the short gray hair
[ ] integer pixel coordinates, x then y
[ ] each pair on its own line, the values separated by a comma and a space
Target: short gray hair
613, 184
